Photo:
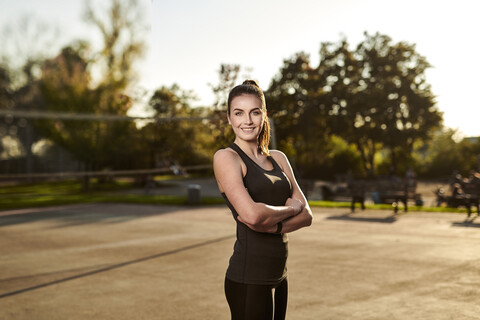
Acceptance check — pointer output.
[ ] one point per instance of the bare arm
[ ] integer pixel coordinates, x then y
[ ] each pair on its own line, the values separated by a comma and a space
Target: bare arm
305, 217
258, 216
272, 228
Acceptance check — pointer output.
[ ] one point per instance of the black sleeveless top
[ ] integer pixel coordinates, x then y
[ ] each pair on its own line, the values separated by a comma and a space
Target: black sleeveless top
260, 258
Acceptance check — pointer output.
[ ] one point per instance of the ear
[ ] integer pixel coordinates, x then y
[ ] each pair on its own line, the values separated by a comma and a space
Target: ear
228, 118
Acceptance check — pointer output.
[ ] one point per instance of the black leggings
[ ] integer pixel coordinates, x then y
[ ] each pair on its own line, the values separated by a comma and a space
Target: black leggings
256, 302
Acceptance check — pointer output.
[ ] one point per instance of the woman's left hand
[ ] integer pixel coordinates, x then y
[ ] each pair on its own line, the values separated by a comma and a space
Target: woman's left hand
296, 204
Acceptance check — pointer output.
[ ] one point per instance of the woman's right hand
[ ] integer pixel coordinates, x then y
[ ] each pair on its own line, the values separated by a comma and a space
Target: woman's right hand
296, 204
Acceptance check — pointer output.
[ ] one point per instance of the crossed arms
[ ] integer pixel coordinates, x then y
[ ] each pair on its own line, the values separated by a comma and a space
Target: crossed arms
295, 214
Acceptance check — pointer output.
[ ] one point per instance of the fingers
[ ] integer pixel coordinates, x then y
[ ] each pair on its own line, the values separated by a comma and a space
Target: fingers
296, 204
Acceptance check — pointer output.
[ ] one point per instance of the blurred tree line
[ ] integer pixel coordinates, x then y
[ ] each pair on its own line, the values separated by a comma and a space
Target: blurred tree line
364, 111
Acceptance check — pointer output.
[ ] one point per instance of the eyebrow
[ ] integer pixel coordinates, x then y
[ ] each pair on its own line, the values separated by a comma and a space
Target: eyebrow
239, 109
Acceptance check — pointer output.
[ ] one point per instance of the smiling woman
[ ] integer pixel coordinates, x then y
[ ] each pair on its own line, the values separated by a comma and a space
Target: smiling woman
247, 117
249, 98
260, 189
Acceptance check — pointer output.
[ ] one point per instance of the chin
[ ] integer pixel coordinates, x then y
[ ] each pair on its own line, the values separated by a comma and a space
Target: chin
248, 138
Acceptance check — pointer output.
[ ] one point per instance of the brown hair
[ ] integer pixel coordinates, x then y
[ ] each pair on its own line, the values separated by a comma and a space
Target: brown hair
251, 87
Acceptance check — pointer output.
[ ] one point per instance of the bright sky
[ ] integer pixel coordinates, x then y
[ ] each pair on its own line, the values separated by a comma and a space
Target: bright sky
189, 39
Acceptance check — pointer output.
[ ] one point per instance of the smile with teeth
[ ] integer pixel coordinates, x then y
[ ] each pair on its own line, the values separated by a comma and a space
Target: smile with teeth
248, 129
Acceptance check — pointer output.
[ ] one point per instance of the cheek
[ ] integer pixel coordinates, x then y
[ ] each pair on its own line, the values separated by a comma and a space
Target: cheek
263, 120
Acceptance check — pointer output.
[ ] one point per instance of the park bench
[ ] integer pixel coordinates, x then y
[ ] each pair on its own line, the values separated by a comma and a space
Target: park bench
466, 194
391, 191
472, 197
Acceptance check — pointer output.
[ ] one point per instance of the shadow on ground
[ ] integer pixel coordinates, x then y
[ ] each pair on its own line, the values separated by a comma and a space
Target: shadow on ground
468, 223
84, 214
100, 268
356, 218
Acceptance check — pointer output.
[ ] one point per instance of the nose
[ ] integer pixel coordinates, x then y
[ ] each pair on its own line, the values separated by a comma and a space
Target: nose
249, 118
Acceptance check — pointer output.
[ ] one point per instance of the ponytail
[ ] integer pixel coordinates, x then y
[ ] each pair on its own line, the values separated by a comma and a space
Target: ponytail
264, 137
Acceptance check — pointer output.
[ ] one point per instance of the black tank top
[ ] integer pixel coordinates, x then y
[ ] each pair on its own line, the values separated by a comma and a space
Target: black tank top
260, 258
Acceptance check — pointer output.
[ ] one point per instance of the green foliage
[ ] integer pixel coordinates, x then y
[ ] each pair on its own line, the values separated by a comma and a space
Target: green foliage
228, 78
374, 97
343, 158
172, 140
17, 81
5, 87
5, 97
68, 85
299, 115
366, 110
221, 134
122, 33
70, 192
444, 155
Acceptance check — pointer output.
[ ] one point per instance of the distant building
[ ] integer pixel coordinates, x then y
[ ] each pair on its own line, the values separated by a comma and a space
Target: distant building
472, 139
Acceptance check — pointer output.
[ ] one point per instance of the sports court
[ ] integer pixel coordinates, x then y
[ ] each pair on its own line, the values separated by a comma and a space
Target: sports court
117, 261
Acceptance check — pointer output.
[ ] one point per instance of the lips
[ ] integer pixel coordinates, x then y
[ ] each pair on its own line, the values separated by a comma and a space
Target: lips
248, 130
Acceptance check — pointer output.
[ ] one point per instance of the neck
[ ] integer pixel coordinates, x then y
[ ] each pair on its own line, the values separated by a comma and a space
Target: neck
250, 148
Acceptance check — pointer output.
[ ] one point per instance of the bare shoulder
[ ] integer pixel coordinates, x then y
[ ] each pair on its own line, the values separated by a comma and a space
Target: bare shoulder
225, 155
278, 155
228, 169
226, 159
280, 158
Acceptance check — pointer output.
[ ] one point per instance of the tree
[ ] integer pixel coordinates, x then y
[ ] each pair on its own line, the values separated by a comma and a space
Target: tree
218, 125
123, 41
5, 97
25, 44
444, 155
385, 101
65, 87
228, 78
5, 89
77, 81
299, 114
174, 138
374, 97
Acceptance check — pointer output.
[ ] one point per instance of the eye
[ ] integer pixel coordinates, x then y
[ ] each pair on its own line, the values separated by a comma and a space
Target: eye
238, 113
256, 113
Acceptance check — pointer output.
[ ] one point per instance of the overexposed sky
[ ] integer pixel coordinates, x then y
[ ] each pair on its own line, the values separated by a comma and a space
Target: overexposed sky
190, 39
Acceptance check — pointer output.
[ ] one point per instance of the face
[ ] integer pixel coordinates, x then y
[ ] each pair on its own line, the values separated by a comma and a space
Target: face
246, 117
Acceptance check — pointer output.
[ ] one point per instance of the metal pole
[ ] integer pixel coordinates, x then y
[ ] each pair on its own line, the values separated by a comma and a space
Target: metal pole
273, 139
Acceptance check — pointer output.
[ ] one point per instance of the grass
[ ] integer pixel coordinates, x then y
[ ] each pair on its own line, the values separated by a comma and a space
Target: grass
70, 192
340, 204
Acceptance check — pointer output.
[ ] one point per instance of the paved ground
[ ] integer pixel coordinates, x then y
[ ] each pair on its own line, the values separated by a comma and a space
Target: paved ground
112, 261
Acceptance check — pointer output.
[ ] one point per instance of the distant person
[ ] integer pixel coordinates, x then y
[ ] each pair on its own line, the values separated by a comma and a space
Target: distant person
411, 177
260, 189
474, 177
455, 177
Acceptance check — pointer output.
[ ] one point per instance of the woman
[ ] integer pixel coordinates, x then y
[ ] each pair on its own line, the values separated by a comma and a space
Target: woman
261, 191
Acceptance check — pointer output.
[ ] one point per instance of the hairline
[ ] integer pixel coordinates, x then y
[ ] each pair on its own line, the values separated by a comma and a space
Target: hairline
263, 106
